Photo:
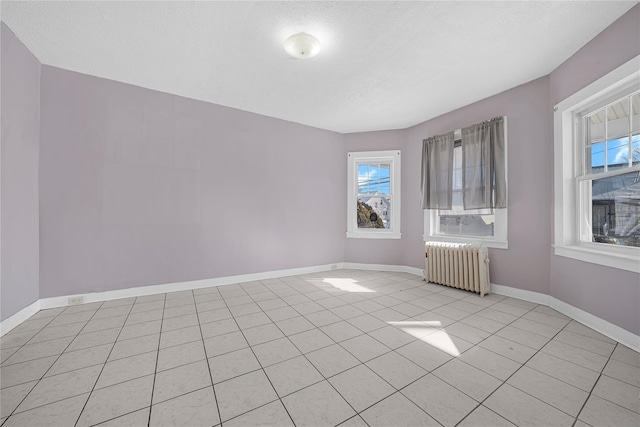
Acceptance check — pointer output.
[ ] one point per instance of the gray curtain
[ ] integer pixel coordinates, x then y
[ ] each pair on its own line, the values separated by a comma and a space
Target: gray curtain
437, 170
483, 165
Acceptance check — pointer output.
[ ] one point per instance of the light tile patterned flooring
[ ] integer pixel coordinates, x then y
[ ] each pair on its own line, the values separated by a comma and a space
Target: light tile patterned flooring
346, 347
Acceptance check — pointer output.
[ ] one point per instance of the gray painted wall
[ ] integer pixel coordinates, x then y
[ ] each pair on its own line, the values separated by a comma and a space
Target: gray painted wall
140, 187
609, 293
20, 103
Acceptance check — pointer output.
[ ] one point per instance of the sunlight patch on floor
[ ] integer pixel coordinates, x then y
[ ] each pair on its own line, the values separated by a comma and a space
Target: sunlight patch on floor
429, 331
442, 341
348, 285
417, 328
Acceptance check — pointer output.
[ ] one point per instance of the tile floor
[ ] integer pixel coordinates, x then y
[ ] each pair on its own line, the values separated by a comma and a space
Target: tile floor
350, 348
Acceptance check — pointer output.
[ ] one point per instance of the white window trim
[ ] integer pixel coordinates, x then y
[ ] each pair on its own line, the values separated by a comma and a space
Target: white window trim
393, 157
567, 166
499, 240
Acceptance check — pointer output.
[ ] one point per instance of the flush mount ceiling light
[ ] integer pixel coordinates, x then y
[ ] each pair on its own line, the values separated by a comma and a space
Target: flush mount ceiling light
302, 45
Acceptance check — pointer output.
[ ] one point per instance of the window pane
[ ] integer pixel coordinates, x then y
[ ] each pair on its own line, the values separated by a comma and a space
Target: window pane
457, 221
595, 127
373, 178
467, 225
374, 211
596, 152
374, 195
635, 105
617, 154
618, 119
635, 149
615, 209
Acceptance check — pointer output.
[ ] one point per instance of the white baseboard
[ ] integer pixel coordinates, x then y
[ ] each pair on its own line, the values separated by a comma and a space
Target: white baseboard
531, 296
63, 301
11, 322
612, 331
383, 267
182, 286
600, 325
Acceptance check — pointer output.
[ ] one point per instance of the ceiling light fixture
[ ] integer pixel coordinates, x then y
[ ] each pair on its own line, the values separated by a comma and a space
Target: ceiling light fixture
302, 46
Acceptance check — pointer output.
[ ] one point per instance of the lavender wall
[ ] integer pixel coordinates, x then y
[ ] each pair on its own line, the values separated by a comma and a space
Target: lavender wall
614, 46
611, 294
525, 264
20, 101
140, 187
374, 251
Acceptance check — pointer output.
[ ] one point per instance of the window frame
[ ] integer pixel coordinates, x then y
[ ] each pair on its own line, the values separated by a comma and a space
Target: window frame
393, 157
569, 158
499, 240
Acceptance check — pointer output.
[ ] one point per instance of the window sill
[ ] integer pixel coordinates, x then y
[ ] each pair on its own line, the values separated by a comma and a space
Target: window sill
595, 256
494, 244
373, 235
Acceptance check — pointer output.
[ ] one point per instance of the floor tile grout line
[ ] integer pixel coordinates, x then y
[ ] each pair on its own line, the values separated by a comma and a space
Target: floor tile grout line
503, 381
128, 339
43, 357
596, 383
250, 410
487, 408
29, 330
74, 336
352, 301
523, 364
321, 374
102, 370
457, 358
545, 373
355, 416
588, 397
263, 372
395, 389
588, 336
103, 364
45, 373
155, 371
204, 347
600, 374
325, 378
122, 415
34, 335
624, 363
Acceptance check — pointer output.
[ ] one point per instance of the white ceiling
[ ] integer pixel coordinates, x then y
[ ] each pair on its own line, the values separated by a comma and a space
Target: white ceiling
383, 65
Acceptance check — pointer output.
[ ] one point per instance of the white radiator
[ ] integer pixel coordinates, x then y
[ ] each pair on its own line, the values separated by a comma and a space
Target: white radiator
459, 265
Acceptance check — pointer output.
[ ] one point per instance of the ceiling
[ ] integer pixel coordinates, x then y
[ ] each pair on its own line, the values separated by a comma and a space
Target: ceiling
383, 65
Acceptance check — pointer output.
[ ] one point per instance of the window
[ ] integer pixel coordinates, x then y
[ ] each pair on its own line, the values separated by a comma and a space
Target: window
486, 226
597, 171
609, 185
373, 196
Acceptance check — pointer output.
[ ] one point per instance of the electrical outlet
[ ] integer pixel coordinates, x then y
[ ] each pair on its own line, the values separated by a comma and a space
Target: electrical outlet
334, 266
75, 300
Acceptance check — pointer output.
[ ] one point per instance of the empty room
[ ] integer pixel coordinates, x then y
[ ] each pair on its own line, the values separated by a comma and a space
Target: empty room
308, 213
